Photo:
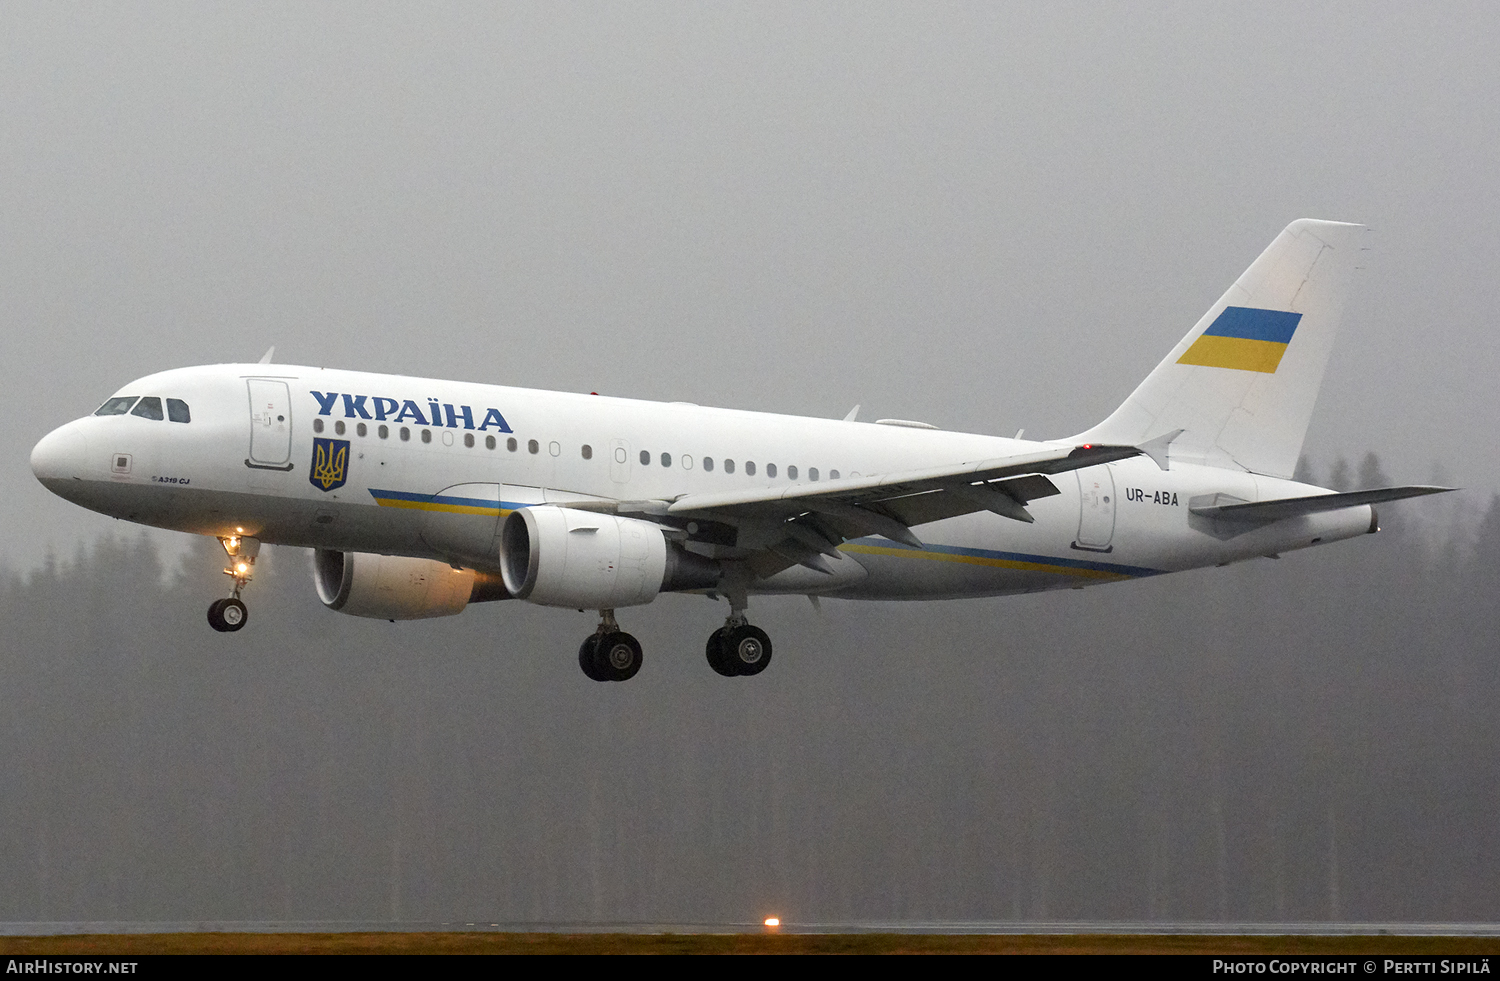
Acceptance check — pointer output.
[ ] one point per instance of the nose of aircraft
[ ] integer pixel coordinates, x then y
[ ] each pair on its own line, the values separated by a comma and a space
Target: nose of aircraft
60, 455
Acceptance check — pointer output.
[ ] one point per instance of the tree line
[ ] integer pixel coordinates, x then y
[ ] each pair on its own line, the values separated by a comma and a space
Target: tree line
1311, 738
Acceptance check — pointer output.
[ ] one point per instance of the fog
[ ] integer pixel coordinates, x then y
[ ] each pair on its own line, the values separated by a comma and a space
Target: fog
1308, 739
985, 216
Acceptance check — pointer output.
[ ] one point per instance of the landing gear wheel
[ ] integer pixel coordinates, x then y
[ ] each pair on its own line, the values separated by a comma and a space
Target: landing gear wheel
586, 657
747, 649
714, 651
227, 615
617, 657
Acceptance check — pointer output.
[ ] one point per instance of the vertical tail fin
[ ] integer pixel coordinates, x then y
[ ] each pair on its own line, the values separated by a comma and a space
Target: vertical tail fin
1241, 385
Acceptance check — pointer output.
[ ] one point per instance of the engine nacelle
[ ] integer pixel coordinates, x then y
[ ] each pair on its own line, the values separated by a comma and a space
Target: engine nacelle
557, 556
392, 587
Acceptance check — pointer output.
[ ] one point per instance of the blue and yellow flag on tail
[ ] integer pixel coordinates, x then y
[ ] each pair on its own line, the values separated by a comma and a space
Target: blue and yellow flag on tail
1244, 338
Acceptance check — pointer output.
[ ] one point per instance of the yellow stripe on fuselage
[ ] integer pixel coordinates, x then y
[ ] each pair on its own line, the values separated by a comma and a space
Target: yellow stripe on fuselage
1060, 570
1234, 352
387, 502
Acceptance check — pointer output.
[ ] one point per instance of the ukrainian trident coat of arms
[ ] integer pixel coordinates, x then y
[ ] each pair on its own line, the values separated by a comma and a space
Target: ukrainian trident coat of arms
330, 463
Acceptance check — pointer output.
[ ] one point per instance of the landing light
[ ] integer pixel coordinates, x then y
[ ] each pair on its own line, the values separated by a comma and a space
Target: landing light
772, 922
242, 567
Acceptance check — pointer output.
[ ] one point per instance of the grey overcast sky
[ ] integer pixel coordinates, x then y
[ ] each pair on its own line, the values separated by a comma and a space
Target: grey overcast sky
986, 216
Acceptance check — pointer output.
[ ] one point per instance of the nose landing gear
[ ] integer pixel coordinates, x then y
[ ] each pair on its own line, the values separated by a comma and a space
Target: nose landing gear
229, 615
609, 654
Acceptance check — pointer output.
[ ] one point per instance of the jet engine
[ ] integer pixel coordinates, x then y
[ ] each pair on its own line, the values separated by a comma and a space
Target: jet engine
392, 587
556, 556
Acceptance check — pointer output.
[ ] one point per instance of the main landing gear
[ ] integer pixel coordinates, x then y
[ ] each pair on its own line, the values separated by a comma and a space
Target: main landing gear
229, 615
609, 654
738, 649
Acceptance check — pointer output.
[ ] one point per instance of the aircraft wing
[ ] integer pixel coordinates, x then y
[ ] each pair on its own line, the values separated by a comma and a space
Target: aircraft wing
809, 518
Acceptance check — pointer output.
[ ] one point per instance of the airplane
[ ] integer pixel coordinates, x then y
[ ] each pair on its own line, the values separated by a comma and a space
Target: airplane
419, 497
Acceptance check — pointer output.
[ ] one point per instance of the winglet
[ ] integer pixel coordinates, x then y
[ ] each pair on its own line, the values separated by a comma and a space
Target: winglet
266, 358
1156, 448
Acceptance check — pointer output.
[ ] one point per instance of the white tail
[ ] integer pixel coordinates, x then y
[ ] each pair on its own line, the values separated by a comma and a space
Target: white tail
1241, 385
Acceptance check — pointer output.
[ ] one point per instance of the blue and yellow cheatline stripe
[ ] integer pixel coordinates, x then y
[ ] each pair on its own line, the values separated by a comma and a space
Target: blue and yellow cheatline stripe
1018, 561
442, 502
1245, 338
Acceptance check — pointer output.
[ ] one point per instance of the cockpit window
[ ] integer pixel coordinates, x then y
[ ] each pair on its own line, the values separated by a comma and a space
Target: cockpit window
148, 408
177, 411
116, 407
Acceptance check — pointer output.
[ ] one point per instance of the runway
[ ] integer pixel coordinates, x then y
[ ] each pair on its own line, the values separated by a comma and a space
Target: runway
478, 937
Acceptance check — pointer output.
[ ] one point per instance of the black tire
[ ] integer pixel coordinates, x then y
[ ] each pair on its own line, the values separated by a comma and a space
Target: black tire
586, 657
617, 657
227, 615
233, 614
747, 650
215, 616
714, 651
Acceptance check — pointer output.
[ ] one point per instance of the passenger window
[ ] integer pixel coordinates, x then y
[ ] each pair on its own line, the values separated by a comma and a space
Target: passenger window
405, 434
317, 425
555, 448
666, 459
469, 440
645, 458
148, 408
362, 429
708, 463
177, 411
116, 407
588, 452
686, 461
384, 431
532, 446
791, 473
833, 475
749, 468
426, 435
771, 470
489, 442
812, 473
729, 466
338, 428
511, 444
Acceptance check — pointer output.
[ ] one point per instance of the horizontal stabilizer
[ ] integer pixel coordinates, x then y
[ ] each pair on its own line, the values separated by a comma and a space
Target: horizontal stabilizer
1296, 507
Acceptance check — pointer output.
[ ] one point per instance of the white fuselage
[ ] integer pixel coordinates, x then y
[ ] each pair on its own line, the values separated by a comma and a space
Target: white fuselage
248, 463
